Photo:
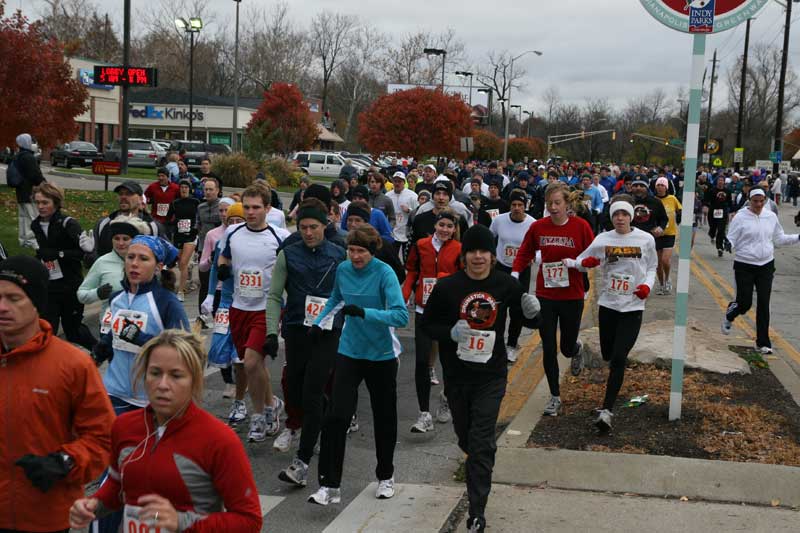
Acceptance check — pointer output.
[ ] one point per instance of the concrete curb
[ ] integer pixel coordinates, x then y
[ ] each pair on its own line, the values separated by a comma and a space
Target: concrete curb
658, 476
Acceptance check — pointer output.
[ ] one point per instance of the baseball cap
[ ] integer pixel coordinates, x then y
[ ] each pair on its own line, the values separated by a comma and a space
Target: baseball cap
129, 185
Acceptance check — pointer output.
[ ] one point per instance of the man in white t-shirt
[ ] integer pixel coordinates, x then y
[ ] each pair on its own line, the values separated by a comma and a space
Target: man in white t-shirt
249, 252
404, 202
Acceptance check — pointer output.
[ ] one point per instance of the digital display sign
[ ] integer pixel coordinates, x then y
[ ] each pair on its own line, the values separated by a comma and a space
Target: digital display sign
131, 76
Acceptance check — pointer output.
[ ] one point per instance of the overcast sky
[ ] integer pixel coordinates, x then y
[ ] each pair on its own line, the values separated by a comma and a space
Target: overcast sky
612, 49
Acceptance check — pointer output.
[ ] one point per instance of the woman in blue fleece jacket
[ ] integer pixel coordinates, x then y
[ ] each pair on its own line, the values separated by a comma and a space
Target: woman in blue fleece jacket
373, 303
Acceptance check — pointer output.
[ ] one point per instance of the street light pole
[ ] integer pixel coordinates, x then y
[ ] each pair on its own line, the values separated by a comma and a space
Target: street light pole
508, 97
465, 73
489, 92
779, 117
736, 164
710, 101
438, 52
126, 58
530, 119
235, 133
192, 26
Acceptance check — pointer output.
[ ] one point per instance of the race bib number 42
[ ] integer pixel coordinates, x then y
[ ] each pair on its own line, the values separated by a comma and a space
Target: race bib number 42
427, 288
621, 284
132, 523
251, 284
556, 275
314, 306
118, 323
478, 347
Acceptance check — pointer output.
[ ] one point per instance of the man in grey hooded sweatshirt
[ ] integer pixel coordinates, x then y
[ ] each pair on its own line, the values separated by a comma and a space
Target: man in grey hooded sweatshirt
28, 167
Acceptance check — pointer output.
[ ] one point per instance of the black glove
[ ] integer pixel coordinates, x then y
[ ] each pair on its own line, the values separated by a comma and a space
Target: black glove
102, 352
44, 471
353, 310
130, 332
314, 333
47, 254
104, 291
224, 272
271, 346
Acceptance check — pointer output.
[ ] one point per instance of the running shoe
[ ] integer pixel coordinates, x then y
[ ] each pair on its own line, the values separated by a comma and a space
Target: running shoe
659, 289
719, 253
765, 350
423, 424
576, 362
443, 415
727, 325
512, 352
285, 440
353, 428
229, 392
272, 416
296, 473
181, 296
668, 288
434, 379
258, 428
553, 406
476, 525
326, 495
238, 412
603, 421
385, 489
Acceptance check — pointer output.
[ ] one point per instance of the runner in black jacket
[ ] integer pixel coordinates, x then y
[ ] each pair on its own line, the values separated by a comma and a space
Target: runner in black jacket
182, 217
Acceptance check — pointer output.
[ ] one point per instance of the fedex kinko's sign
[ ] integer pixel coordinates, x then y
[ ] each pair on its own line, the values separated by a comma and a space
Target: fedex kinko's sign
703, 16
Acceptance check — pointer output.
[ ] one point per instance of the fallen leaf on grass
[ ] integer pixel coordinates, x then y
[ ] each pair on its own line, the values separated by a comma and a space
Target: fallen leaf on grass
684, 499
775, 503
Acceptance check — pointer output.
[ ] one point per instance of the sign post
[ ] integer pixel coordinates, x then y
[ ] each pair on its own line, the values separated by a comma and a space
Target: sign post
106, 168
698, 17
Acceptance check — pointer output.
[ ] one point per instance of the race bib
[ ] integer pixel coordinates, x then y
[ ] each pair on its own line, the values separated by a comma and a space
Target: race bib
105, 322
718, 213
510, 251
250, 283
556, 275
493, 213
314, 306
621, 284
400, 218
222, 321
132, 524
427, 288
478, 347
118, 323
53, 269
162, 209
184, 225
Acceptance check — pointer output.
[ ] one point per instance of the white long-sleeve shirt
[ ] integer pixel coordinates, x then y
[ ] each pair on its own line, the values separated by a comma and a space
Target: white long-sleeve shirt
406, 199
754, 237
510, 235
627, 261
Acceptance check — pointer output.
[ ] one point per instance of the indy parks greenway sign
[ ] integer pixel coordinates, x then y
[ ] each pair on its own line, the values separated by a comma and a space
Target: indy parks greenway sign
702, 16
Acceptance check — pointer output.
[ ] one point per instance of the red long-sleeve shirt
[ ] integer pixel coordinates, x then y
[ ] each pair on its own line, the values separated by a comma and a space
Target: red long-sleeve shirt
160, 199
198, 464
556, 243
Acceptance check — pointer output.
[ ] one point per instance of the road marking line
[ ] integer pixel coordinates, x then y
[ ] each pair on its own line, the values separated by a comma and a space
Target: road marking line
268, 503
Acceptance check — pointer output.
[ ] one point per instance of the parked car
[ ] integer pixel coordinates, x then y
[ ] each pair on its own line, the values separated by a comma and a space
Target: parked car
324, 164
142, 153
75, 153
196, 151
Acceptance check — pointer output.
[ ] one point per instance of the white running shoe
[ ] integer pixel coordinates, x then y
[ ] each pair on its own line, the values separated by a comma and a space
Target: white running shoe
603, 421
434, 379
553, 406
326, 495
181, 296
230, 391
296, 473
727, 325
512, 352
659, 289
423, 424
285, 440
353, 428
443, 415
258, 428
272, 415
667, 288
385, 489
765, 350
238, 412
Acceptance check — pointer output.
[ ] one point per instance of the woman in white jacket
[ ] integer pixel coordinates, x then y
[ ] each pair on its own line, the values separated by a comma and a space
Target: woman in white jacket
776, 190
753, 234
629, 260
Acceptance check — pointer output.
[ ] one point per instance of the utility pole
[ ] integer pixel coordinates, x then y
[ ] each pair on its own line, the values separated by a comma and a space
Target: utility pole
737, 165
126, 58
779, 118
235, 132
711, 100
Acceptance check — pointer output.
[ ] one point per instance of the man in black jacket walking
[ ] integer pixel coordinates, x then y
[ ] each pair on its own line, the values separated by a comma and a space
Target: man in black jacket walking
28, 167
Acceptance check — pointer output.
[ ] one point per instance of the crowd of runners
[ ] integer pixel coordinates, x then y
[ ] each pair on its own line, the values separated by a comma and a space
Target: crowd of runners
472, 252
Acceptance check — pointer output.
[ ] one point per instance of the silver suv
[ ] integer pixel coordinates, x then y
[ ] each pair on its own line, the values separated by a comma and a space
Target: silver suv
144, 153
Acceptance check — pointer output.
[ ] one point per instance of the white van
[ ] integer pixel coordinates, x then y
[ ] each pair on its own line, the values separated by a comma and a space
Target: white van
324, 164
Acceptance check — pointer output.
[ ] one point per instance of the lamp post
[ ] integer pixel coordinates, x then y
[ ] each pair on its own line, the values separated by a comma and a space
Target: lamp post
519, 107
530, 119
438, 52
510, 82
235, 133
464, 74
192, 26
778, 146
488, 91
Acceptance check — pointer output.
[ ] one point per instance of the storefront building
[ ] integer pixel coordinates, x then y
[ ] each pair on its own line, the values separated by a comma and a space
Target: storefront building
100, 123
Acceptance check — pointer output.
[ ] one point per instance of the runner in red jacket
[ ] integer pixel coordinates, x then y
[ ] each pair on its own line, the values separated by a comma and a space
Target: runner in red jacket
160, 194
429, 260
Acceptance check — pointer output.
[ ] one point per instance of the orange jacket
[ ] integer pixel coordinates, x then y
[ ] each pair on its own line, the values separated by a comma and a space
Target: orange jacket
51, 399
424, 262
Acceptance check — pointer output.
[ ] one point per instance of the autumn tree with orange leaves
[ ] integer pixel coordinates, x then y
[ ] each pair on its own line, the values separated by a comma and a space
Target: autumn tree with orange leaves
39, 94
417, 122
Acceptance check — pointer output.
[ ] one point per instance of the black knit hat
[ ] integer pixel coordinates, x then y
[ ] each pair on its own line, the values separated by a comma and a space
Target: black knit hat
478, 237
320, 192
361, 191
358, 211
30, 275
445, 186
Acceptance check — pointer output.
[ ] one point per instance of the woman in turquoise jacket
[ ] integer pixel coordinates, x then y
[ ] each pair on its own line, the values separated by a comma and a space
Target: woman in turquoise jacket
367, 291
